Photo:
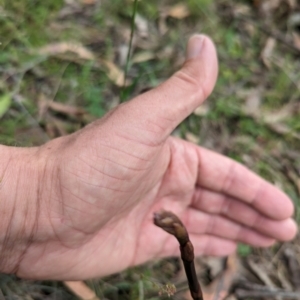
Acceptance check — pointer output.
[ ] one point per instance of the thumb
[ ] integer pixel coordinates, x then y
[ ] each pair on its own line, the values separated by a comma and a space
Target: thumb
157, 112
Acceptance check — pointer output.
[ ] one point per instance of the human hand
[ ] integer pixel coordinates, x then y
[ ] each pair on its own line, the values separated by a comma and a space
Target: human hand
102, 184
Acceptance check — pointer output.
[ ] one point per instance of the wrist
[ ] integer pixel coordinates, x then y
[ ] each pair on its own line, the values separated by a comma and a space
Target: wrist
22, 175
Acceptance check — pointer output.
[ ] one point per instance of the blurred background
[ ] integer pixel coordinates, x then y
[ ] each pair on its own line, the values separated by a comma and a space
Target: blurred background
65, 63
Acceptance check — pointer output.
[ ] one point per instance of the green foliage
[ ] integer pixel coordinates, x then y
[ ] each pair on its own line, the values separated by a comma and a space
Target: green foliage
94, 101
250, 127
26, 17
244, 250
294, 123
199, 6
5, 103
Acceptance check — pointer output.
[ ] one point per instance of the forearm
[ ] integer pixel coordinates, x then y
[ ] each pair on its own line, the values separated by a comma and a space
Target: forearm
20, 172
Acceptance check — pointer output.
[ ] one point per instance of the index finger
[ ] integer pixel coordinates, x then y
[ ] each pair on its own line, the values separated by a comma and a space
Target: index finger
221, 174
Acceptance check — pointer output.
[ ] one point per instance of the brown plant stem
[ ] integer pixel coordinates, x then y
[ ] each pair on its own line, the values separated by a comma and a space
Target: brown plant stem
245, 294
170, 223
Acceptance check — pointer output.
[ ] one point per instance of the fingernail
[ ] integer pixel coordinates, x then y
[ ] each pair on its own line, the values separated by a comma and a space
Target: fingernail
194, 46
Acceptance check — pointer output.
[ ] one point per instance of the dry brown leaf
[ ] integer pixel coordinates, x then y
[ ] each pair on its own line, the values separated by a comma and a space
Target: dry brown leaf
51, 130
252, 101
115, 74
292, 4
66, 109
215, 265
268, 51
55, 127
201, 110
123, 50
271, 5
142, 57
296, 40
284, 129
81, 290
277, 116
250, 29
192, 138
261, 274
179, 11
241, 9
42, 107
63, 47
142, 26
220, 287
88, 2
231, 297
268, 6
273, 119
162, 23
45, 104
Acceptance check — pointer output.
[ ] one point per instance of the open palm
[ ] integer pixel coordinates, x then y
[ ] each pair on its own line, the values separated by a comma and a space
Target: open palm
107, 180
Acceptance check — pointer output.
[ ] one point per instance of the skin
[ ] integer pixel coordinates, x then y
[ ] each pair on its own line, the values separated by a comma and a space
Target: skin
82, 206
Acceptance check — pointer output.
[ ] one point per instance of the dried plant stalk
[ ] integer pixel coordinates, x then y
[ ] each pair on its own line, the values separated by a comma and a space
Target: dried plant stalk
173, 225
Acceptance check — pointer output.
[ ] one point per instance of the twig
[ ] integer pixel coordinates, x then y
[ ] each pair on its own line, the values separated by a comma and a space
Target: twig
1, 295
240, 293
170, 223
81, 290
293, 266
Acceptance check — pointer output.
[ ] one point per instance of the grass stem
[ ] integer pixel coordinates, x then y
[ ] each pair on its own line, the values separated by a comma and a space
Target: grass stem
135, 5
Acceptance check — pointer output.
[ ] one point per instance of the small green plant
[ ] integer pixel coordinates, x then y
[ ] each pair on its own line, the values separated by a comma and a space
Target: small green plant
244, 250
123, 94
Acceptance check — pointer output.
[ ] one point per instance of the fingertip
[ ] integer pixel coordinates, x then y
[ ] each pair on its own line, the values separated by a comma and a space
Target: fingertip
290, 208
287, 208
291, 230
267, 243
202, 62
278, 207
195, 45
